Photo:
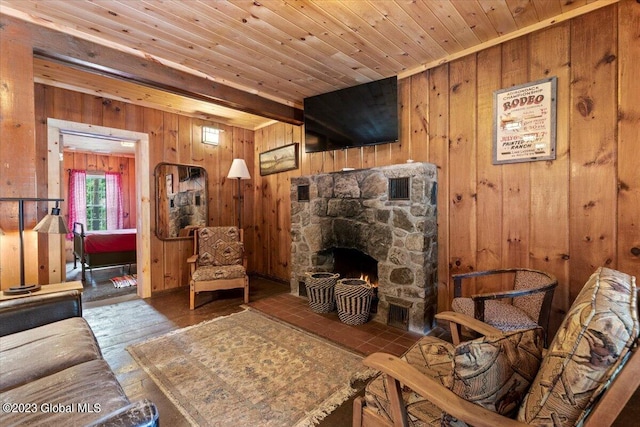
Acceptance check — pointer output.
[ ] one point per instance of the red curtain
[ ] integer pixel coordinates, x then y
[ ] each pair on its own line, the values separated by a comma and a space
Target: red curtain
115, 219
77, 199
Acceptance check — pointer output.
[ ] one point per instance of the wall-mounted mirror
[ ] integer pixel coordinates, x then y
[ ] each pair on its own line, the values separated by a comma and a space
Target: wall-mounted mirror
181, 200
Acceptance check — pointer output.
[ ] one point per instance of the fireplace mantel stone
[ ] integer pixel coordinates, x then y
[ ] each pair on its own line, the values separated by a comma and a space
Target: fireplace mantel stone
353, 209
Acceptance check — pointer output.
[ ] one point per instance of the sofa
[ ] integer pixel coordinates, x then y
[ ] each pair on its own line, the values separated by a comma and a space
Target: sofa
52, 371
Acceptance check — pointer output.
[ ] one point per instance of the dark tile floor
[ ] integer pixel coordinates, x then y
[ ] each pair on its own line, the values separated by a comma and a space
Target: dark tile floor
365, 339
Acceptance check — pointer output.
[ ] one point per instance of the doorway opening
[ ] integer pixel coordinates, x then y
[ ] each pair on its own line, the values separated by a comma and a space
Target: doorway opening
96, 137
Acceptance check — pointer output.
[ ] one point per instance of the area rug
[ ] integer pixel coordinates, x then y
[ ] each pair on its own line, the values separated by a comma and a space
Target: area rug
247, 369
124, 281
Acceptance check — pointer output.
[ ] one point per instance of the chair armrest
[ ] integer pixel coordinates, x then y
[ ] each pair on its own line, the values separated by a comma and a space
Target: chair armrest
398, 371
469, 322
192, 259
140, 414
20, 314
456, 320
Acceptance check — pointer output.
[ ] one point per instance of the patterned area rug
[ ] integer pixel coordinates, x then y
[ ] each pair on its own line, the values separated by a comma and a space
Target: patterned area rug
247, 369
124, 281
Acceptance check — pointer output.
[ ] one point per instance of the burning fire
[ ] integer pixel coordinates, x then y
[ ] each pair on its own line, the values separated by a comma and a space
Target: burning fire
366, 278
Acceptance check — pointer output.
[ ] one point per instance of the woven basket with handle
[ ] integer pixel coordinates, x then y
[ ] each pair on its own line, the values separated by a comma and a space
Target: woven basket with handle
353, 297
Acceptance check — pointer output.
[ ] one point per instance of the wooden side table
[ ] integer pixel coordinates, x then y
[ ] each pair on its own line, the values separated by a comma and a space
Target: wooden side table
47, 289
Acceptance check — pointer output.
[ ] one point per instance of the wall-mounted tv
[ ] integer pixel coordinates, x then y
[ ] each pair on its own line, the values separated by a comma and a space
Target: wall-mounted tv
360, 115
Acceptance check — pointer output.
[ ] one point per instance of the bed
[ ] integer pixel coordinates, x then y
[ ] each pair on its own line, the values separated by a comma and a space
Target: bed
107, 248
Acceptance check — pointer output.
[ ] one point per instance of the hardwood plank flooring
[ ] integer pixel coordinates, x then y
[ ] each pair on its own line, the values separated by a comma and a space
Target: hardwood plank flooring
125, 320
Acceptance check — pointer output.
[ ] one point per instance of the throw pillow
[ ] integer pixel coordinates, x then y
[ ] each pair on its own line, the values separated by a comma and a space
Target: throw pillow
227, 253
496, 372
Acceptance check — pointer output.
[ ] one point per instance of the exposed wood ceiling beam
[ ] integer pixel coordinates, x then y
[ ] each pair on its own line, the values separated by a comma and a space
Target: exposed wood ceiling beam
102, 60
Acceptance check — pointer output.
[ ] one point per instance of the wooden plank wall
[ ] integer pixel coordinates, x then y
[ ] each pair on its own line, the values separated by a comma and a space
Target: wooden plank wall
172, 138
567, 216
17, 130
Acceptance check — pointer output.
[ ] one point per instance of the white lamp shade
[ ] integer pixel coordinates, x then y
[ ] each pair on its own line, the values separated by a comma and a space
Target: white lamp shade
239, 170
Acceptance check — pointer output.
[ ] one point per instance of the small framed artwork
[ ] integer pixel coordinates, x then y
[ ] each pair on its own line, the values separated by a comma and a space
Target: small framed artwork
279, 159
524, 122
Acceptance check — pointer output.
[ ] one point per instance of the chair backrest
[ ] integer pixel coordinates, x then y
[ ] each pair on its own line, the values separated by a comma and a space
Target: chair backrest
218, 246
535, 304
590, 349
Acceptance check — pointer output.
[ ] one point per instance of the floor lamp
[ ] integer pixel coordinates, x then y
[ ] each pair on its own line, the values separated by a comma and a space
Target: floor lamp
51, 224
239, 171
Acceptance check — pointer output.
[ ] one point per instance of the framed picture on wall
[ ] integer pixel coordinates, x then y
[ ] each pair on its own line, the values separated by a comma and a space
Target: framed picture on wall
524, 122
279, 159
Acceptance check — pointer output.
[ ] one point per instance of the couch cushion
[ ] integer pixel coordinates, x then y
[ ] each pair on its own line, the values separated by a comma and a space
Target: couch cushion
228, 253
500, 315
587, 350
38, 352
209, 237
217, 272
73, 397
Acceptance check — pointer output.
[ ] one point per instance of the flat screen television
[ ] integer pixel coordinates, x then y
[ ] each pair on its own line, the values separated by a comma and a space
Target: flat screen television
360, 115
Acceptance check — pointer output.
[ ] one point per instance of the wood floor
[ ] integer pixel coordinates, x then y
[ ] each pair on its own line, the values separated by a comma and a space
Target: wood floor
125, 320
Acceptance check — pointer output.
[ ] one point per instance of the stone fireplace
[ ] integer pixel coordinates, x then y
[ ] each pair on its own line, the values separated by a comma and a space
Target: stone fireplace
387, 214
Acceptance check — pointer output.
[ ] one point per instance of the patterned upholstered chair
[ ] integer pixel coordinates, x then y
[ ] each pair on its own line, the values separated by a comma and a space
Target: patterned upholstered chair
218, 262
525, 306
586, 377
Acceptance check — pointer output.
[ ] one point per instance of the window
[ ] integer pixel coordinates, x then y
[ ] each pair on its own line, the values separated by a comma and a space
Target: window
210, 135
96, 202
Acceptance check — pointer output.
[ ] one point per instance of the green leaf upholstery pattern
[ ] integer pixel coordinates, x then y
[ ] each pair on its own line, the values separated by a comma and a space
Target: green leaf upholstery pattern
494, 372
586, 353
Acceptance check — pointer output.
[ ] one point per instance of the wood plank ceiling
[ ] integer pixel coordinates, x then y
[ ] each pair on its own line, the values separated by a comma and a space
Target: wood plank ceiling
282, 50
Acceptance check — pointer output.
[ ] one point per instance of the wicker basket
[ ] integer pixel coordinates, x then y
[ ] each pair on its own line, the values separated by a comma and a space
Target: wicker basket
320, 291
353, 297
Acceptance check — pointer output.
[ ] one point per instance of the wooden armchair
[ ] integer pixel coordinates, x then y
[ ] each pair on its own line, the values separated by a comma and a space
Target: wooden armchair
586, 377
218, 262
525, 306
